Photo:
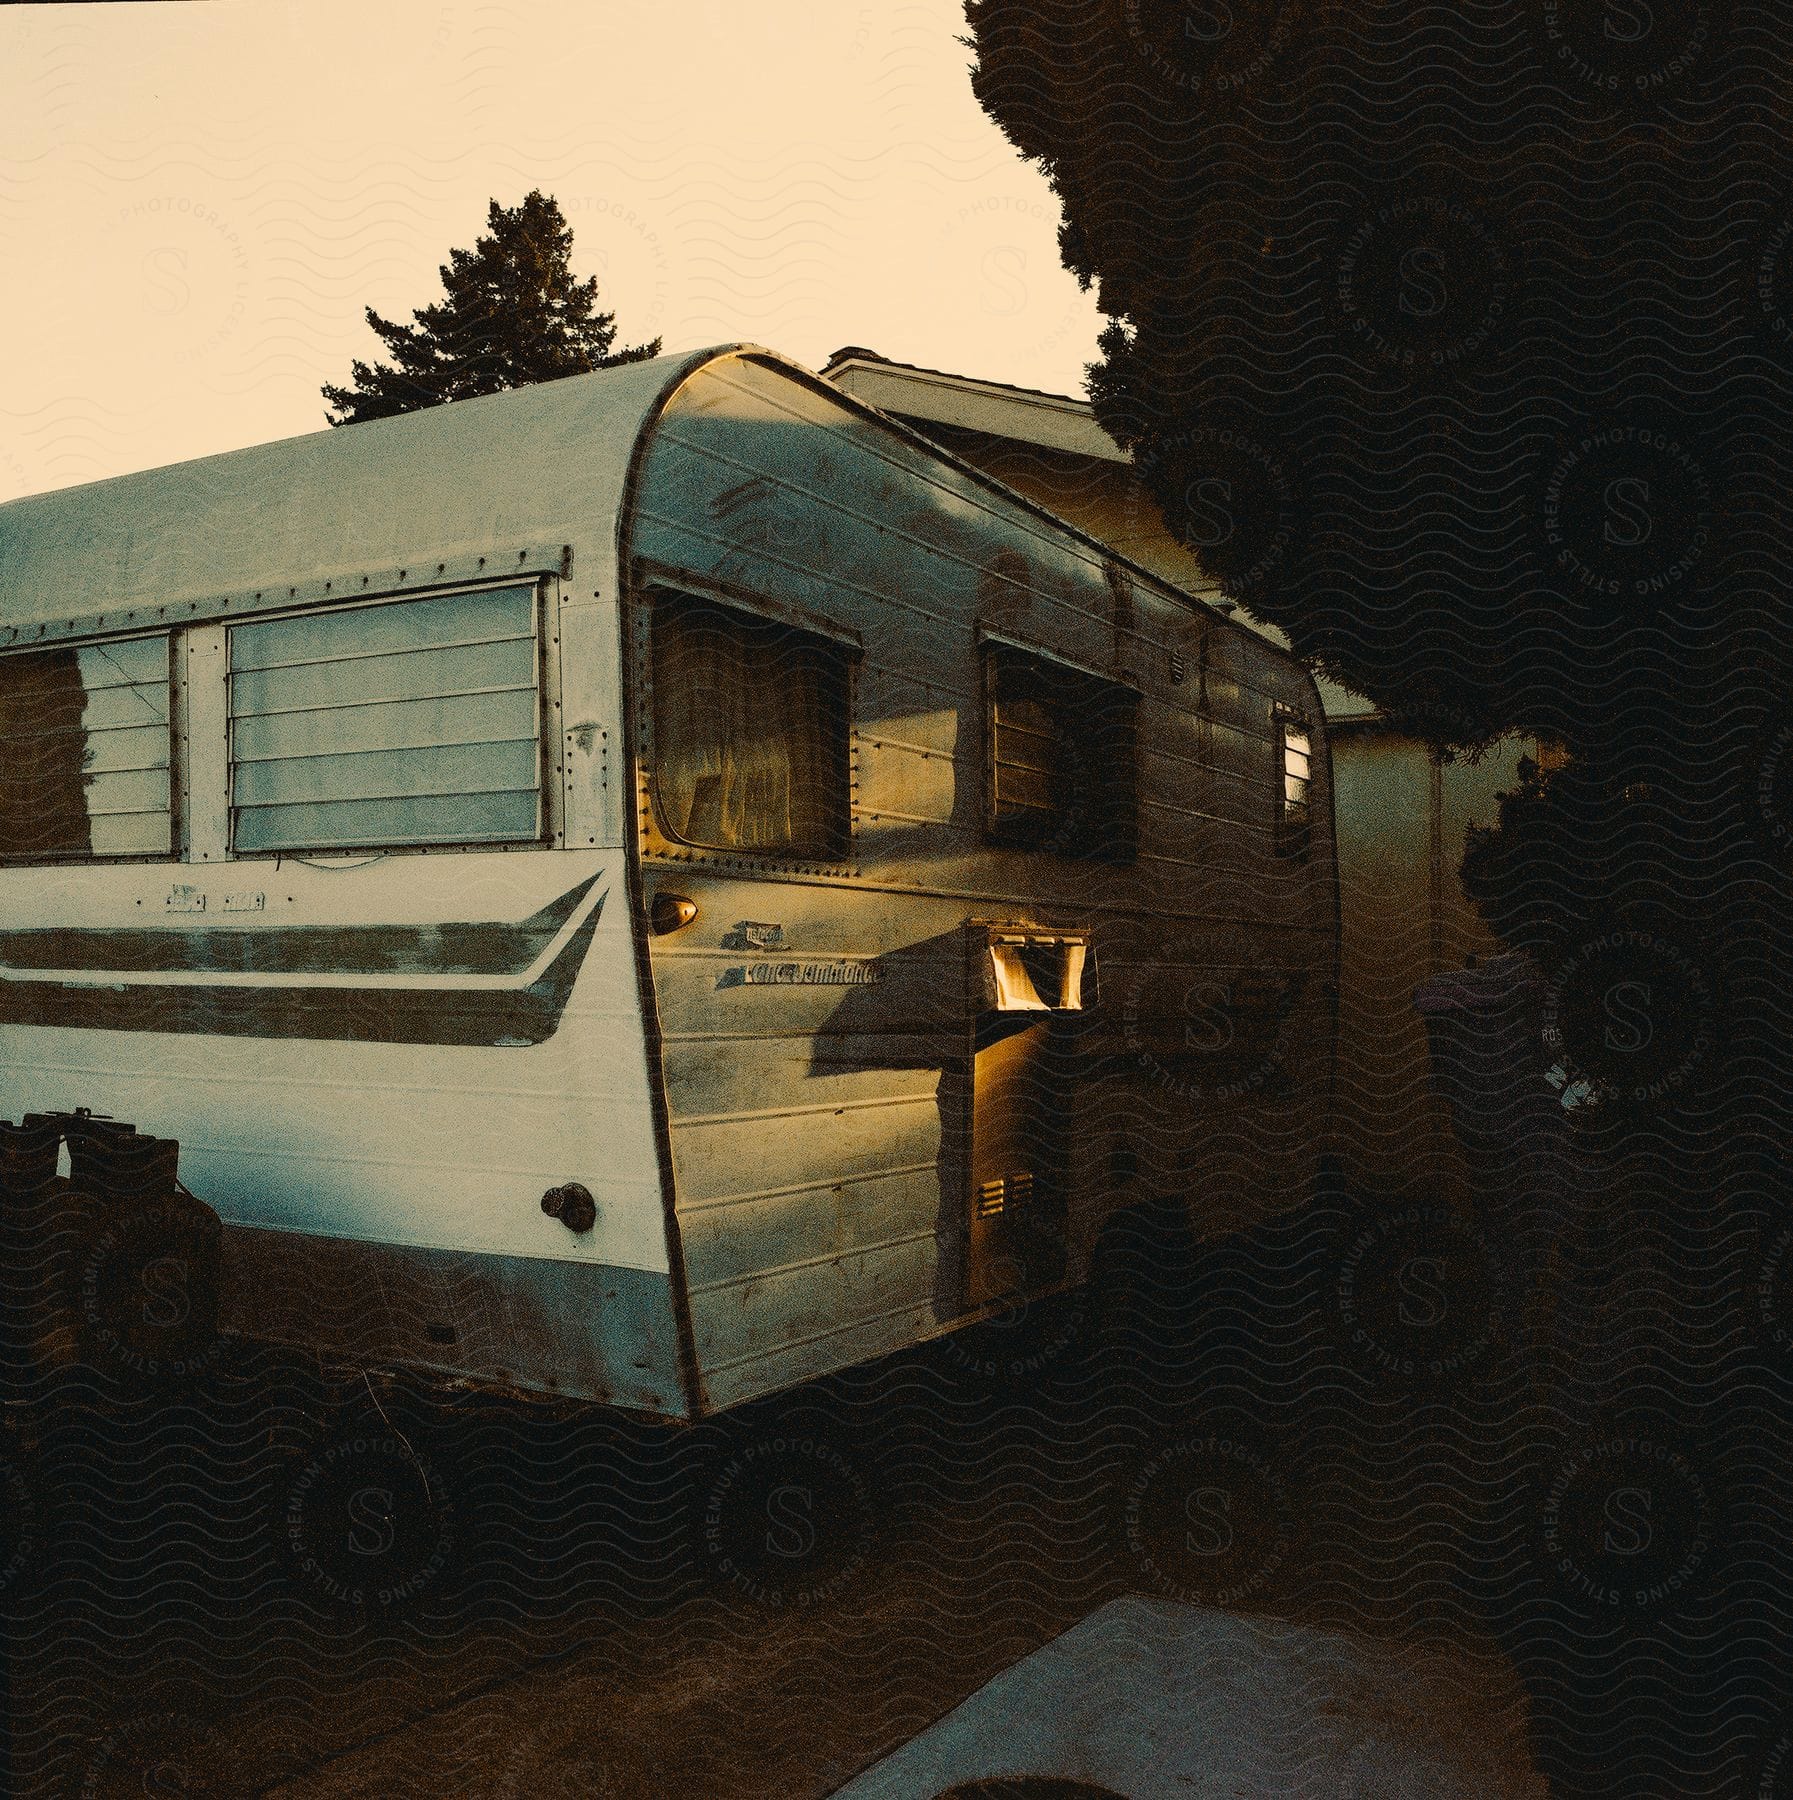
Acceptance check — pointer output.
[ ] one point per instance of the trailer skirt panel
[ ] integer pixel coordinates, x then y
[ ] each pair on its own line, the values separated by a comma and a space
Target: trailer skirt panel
593, 1331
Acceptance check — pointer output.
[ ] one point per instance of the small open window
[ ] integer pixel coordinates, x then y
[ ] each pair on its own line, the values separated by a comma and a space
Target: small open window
1022, 969
751, 730
1294, 761
1061, 767
84, 751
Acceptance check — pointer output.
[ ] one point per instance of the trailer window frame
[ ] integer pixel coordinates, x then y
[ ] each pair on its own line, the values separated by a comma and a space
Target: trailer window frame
1109, 765
653, 585
1293, 830
548, 758
170, 764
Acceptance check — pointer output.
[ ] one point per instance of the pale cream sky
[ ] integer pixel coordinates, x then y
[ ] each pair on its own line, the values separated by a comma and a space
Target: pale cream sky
196, 201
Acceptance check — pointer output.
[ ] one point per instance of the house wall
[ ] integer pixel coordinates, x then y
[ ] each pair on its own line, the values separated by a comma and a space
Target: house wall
1404, 917
1095, 493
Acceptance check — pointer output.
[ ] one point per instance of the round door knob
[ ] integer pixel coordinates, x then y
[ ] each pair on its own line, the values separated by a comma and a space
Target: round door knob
572, 1205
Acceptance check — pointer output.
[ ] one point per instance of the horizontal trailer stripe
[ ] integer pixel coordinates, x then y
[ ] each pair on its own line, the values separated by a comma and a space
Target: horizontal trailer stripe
826, 1258
822, 1108
341, 955
1090, 906
487, 1011
821, 1185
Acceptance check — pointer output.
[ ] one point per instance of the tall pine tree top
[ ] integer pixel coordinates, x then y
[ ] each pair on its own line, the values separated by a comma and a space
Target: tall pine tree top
512, 314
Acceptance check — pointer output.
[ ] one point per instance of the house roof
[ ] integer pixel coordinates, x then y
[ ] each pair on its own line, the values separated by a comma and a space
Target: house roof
1031, 415
1024, 415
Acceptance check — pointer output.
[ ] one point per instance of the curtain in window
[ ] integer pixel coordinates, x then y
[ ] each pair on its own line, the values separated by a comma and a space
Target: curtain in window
750, 745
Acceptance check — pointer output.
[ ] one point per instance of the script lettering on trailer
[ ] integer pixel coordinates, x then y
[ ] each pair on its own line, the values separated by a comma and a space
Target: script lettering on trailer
801, 974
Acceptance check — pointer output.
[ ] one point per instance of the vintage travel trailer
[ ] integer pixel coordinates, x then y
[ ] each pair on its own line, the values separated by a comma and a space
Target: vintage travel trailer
654, 886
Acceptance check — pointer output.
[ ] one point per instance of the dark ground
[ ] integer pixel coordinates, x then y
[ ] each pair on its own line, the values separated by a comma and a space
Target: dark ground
281, 1578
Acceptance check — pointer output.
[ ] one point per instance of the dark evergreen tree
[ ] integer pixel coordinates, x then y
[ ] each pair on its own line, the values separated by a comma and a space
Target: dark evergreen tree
1457, 340
1459, 344
513, 313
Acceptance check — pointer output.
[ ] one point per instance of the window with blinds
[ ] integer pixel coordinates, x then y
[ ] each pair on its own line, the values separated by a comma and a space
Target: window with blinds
84, 751
407, 722
1062, 765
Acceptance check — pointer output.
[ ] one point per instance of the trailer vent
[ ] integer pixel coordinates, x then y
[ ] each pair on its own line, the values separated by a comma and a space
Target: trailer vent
1026, 970
995, 1197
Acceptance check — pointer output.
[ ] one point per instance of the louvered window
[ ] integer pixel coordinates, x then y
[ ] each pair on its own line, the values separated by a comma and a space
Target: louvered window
84, 751
1061, 763
408, 722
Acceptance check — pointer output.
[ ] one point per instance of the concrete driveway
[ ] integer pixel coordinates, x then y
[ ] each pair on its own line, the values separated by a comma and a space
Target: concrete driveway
1158, 1700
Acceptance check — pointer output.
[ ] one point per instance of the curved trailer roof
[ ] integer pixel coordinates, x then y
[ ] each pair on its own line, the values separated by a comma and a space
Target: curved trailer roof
341, 511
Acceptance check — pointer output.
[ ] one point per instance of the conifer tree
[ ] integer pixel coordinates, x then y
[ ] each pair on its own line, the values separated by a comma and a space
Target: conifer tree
513, 313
